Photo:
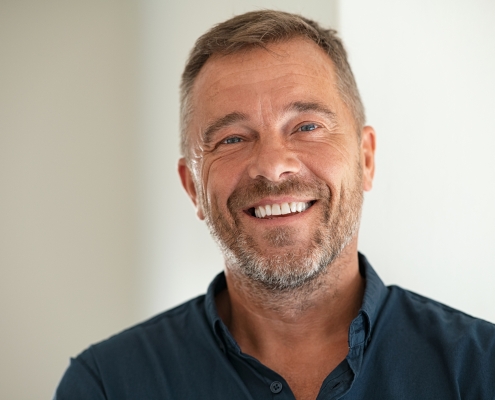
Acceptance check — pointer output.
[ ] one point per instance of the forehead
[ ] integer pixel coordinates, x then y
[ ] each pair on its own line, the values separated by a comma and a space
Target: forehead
259, 80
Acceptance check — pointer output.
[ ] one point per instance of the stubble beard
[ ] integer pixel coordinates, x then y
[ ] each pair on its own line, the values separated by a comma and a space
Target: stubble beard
289, 267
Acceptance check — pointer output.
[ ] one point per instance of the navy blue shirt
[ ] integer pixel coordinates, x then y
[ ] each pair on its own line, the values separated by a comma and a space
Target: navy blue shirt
401, 346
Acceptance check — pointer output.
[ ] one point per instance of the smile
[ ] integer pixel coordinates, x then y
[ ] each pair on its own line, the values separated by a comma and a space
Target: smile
270, 210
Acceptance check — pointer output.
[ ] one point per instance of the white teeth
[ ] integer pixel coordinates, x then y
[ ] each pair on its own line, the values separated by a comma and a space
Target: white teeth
280, 209
284, 208
276, 209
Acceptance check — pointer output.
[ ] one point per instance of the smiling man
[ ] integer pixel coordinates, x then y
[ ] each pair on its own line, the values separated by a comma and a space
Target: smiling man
276, 156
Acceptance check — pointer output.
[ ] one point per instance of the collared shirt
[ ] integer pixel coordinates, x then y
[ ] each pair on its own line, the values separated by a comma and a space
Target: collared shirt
401, 346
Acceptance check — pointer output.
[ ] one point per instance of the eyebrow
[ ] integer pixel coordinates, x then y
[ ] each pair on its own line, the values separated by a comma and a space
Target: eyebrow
311, 106
216, 125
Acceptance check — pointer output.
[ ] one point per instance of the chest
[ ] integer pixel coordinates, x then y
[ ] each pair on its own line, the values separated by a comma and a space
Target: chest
306, 375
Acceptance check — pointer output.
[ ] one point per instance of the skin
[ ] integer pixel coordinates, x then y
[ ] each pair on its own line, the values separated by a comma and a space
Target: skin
301, 334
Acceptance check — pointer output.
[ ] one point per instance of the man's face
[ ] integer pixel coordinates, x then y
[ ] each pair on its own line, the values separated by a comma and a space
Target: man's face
269, 134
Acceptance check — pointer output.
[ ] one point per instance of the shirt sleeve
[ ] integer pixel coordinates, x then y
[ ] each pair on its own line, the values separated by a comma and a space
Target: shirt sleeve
80, 382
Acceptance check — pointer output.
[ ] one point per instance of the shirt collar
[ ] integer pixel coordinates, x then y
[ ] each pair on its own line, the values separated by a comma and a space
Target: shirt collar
221, 332
374, 296
361, 327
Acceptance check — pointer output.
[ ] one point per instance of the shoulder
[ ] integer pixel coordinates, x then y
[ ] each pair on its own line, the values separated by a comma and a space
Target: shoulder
425, 341
176, 336
161, 333
433, 315
156, 356
462, 339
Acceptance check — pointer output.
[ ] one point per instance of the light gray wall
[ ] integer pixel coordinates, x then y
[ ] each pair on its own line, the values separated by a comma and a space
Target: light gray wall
68, 118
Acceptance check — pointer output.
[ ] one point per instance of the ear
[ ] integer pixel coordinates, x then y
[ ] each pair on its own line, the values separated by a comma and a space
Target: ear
368, 144
188, 184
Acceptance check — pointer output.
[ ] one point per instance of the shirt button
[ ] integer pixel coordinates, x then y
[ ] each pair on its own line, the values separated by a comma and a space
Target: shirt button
276, 387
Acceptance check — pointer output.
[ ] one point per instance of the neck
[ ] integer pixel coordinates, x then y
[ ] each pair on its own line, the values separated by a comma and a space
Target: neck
318, 312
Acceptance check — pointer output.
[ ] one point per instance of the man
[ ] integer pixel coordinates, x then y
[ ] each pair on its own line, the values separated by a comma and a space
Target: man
276, 156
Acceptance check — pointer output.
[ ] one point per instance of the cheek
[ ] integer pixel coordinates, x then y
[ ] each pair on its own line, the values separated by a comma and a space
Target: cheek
329, 162
220, 177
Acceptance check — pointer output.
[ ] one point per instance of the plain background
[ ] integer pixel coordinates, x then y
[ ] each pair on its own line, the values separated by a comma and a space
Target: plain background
96, 233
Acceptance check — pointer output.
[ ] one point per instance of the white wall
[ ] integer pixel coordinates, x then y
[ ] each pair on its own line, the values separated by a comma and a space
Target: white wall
426, 70
67, 184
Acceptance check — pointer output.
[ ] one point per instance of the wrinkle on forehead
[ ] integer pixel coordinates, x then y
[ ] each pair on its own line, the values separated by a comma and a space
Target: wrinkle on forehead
237, 80
270, 73
276, 62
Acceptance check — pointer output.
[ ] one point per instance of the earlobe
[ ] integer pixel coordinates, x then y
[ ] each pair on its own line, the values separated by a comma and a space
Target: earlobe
368, 145
189, 185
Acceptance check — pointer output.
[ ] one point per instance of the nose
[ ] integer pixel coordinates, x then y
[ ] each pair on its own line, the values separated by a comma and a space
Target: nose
273, 160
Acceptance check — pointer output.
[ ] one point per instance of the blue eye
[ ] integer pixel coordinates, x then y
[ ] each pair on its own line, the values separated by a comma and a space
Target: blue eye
308, 127
232, 140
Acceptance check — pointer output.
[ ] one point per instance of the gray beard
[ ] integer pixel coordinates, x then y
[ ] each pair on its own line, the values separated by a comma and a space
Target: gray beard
290, 269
